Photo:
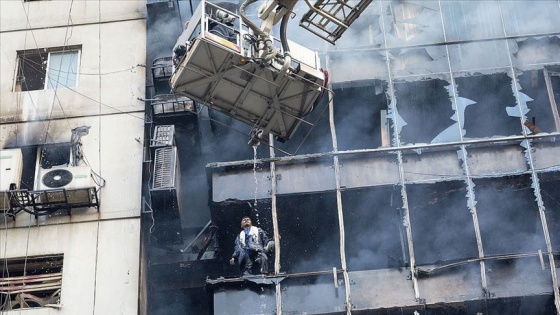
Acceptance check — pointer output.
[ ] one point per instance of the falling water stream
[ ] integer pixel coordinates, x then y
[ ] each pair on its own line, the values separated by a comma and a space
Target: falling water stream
256, 185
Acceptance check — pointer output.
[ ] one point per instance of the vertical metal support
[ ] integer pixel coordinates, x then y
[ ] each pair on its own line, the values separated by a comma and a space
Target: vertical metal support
552, 100
406, 222
471, 203
339, 200
406, 217
278, 288
472, 206
537, 193
534, 177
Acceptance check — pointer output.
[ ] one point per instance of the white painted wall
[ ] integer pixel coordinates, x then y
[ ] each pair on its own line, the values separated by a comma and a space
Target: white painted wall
100, 269
112, 70
101, 249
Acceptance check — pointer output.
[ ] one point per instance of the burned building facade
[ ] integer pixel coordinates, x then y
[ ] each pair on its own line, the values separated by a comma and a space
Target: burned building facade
426, 181
71, 132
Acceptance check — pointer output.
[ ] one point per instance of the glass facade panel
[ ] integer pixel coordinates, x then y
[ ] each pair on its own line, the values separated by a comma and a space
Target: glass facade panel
410, 23
63, 69
530, 17
470, 20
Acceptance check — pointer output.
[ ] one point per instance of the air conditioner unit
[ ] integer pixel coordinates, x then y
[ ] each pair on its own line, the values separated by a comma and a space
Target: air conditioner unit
71, 186
75, 177
11, 166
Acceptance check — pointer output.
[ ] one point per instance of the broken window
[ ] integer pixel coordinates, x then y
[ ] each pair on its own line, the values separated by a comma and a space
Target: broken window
470, 20
508, 215
493, 109
374, 234
541, 91
530, 17
30, 282
550, 192
360, 116
442, 226
310, 232
426, 111
47, 68
413, 22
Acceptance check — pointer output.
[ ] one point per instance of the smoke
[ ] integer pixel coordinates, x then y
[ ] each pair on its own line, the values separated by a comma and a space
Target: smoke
508, 215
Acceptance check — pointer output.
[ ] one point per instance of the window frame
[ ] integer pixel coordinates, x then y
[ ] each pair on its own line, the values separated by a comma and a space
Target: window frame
34, 282
20, 74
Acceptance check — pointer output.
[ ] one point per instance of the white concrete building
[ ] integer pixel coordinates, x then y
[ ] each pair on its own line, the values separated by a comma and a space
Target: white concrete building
66, 65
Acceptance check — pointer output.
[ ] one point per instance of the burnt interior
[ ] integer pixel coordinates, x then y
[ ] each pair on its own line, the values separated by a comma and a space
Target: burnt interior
426, 108
357, 115
533, 84
442, 226
374, 234
550, 193
508, 215
310, 233
488, 117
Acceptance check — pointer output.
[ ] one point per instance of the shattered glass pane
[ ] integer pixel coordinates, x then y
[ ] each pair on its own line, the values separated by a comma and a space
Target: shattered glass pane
426, 108
491, 94
412, 22
542, 114
470, 20
359, 118
530, 17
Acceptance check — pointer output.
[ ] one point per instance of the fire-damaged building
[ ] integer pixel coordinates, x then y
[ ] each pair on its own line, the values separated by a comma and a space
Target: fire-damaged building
424, 181
401, 155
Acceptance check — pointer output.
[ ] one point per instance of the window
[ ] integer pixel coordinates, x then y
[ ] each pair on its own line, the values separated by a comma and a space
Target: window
29, 282
48, 68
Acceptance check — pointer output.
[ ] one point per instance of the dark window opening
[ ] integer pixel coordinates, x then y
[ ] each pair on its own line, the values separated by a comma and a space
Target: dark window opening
550, 192
47, 68
372, 225
543, 87
310, 234
488, 117
508, 215
442, 226
360, 116
227, 216
30, 282
426, 108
